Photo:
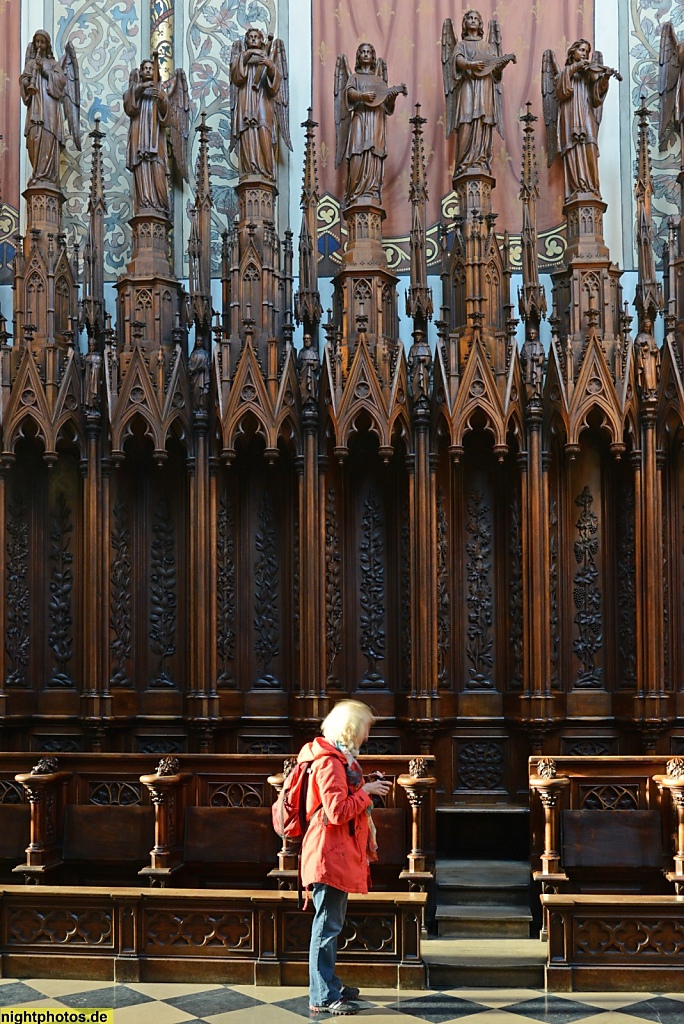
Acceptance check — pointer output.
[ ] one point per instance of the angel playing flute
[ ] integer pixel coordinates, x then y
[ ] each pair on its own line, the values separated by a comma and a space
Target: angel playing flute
50, 90
152, 108
259, 102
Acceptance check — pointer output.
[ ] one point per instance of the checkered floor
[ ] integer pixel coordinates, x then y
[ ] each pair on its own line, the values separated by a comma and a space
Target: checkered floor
245, 1004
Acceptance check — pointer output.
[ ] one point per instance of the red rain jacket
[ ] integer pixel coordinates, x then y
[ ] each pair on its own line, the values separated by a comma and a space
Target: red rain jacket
330, 852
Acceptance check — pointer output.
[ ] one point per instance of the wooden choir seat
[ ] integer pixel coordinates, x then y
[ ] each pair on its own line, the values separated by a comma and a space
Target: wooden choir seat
228, 847
15, 831
106, 845
612, 851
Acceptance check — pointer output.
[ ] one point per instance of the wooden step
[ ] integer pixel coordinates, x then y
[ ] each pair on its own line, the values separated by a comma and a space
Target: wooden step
484, 921
484, 963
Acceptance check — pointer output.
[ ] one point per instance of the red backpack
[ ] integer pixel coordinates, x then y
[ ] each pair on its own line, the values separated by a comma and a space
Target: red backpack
289, 810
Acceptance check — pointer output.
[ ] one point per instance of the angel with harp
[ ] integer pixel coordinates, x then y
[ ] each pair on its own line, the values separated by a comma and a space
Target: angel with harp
259, 102
472, 71
50, 89
671, 86
153, 107
572, 99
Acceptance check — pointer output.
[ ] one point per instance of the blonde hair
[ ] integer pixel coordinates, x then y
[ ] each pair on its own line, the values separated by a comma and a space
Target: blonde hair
346, 724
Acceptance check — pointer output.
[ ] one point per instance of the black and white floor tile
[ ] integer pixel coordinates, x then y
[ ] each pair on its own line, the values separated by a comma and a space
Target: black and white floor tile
246, 1004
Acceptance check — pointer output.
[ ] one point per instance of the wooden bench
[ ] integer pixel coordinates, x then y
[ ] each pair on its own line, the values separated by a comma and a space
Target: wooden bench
197, 821
258, 936
614, 943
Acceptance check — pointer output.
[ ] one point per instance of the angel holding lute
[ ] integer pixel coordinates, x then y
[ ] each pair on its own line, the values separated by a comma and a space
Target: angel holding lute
152, 108
472, 70
259, 102
50, 89
363, 102
573, 98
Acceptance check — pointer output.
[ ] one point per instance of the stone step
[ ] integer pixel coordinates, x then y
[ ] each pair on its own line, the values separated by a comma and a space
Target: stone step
477, 920
484, 963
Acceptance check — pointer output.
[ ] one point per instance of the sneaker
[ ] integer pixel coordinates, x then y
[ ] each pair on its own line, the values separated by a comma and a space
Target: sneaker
338, 1008
349, 992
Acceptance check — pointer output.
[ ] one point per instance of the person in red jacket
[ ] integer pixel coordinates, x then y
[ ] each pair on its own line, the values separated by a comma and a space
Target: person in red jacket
338, 845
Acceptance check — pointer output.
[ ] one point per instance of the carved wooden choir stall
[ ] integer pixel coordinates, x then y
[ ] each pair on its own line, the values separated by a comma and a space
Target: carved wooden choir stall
204, 547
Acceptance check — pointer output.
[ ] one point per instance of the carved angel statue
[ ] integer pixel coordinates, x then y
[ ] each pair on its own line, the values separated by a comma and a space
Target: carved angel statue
153, 107
51, 91
472, 71
671, 85
363, 101
573, 99
259, 102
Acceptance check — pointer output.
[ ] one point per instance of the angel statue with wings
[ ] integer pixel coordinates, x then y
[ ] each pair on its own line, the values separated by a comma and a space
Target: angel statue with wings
259, 102
152, 107
573, 99
362, 103
50, 89
671, 86
472, 71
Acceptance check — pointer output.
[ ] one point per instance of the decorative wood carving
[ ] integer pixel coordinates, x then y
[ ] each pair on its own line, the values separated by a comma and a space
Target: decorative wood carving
479, 599
225, 593
163, 582
17, 636
266, 594
333, 590
120, 623
587, 596
372, 592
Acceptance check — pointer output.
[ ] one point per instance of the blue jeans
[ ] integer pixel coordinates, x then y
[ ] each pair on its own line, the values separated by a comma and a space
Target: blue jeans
330, 906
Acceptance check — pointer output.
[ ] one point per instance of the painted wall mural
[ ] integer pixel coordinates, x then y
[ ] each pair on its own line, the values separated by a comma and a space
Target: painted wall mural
10, 67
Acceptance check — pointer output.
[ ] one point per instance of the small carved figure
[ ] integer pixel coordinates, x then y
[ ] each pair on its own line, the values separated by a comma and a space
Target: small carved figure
93, 374
308, 368
573, 105
51, 91
671, 84
259, 102
198, 373
532, 358
363, 102
472, 71
647, 361
152, 107
419, 364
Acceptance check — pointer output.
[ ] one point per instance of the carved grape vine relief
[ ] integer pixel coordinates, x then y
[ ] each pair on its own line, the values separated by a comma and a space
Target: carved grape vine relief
443, 606
405, 584
626, 567
554, 616
515, 599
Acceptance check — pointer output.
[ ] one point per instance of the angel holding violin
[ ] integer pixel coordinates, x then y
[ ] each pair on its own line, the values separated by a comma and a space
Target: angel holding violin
573, 100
